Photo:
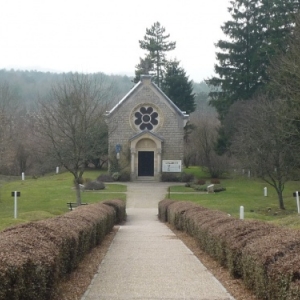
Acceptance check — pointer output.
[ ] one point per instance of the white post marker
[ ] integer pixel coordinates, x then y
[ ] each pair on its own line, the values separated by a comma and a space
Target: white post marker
15, 194
23, 176
57, 170
265, 191
16, 206
242, 212
297, 199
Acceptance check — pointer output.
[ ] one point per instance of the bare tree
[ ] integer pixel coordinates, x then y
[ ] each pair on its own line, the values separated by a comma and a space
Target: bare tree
204, 139
265, 141
70, 119
9, 109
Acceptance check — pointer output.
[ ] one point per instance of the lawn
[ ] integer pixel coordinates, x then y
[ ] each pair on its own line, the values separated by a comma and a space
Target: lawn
47, 197
247, 192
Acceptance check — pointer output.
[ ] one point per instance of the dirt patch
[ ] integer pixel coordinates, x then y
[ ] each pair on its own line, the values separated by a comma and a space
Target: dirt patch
75, 286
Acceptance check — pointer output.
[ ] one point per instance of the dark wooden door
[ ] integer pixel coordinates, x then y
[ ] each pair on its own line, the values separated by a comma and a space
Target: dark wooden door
145, 163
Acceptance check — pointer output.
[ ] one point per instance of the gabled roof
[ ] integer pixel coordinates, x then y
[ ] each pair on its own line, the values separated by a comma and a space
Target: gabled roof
145, 132
144, 79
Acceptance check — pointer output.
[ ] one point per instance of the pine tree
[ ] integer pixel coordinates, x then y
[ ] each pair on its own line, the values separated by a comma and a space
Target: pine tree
143, 68
156, 44
177, 86
257, 33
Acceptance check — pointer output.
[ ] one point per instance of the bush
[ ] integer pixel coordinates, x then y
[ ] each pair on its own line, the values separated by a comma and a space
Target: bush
215, 181
170, 177
186, 177
115, 176
265, 256
200, 188
36, 255
120, 209
124, 176
94, 185
218, 188
201, 181
105, 178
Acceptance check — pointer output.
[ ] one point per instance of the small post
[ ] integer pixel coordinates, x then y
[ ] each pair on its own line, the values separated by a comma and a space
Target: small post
57, 170
16, 205
249, 173
265, 191
242, 212
297, 199
23, 176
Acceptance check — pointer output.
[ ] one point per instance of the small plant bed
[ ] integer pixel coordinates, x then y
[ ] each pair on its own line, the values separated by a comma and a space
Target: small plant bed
214, 188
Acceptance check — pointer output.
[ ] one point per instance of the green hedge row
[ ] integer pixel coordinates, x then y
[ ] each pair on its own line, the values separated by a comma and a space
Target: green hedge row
35, 256
265, 256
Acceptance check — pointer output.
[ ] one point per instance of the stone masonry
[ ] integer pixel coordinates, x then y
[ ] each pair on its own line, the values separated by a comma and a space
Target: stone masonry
146, 120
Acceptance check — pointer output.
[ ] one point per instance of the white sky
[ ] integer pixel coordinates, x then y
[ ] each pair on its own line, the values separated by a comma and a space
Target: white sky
102, 36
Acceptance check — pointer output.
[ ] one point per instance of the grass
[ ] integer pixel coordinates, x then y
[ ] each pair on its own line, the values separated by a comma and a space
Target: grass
47, 197
197, 172
247, 192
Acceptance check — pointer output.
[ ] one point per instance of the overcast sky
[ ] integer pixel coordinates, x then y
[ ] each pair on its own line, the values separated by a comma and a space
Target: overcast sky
102, 36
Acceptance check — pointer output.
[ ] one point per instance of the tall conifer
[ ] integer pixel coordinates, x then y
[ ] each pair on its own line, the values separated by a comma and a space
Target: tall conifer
257, 32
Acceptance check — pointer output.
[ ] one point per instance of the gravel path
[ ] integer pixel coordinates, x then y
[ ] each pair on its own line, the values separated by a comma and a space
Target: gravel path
147, 261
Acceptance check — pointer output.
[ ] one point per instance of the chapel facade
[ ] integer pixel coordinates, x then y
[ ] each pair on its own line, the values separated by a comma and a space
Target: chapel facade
146, 132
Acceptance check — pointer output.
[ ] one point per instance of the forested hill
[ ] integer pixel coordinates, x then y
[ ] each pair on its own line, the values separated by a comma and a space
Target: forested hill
28, 86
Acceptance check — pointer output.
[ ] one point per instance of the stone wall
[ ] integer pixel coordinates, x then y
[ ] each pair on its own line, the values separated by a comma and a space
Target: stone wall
170, 123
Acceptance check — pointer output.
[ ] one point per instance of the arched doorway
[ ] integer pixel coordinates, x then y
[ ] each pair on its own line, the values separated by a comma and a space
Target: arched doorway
146, 156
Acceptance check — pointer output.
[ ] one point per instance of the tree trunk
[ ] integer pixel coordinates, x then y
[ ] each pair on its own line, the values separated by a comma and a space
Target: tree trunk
280, 199
78, 194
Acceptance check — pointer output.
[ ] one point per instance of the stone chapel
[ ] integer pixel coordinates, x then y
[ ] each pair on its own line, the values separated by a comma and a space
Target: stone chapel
147, 129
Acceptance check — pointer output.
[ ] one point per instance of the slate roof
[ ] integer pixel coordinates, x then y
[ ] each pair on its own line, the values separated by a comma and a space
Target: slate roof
132, 91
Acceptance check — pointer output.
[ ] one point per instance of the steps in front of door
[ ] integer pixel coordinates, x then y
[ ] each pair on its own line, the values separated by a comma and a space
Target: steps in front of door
146, 178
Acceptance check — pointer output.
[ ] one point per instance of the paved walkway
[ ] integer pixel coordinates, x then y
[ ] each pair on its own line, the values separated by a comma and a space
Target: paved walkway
146, 261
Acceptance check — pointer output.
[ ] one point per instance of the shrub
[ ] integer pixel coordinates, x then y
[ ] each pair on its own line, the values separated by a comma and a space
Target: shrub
120, 209
163, 208
170, 177
215, 181
265, 256
200, 188
35, 256
201, 181
94, 185
105, 178
124, 176
186, 177
218, 188
115, 176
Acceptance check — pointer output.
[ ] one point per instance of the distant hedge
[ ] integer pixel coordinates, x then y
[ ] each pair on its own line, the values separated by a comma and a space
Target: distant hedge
36, 255
265, 256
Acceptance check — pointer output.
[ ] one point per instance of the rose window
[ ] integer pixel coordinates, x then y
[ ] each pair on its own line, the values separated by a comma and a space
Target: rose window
146, 118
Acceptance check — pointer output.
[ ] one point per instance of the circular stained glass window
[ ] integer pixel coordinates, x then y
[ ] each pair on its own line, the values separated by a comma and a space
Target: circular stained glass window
146, 118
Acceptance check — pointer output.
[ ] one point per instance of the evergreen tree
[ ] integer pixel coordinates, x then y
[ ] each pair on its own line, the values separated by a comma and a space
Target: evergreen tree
177, 86
143, 68
156, 43
257, 32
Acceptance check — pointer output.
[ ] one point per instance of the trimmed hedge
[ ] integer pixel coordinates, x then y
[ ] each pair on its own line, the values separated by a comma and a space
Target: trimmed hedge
36, 255
265, 256
119, 208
